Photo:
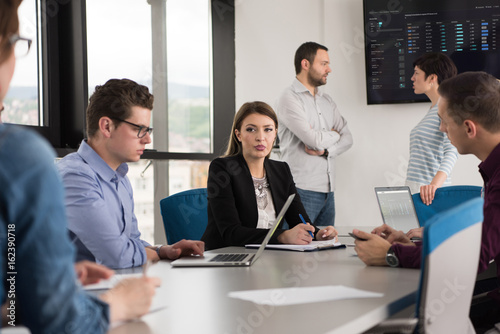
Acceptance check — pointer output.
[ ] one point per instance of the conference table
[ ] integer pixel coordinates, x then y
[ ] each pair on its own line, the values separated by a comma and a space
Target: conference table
196, 300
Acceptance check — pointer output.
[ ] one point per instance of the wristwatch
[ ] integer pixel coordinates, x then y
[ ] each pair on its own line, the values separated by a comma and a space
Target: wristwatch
325, 153
157, 249
391, 258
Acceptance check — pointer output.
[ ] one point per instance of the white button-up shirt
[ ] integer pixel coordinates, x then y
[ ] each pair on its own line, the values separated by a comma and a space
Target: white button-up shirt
314, 121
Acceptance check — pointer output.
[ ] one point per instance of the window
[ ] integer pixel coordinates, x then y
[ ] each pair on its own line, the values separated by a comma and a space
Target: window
169, 49
188, 75
116, 48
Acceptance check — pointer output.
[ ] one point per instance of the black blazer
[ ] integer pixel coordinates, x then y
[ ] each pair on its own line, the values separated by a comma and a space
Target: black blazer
232, 206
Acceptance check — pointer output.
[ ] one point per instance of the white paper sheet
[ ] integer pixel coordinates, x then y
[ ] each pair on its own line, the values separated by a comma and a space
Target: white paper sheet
302, 295
109, 283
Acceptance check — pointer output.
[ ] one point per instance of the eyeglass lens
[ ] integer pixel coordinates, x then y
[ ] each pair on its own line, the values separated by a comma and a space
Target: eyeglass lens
21, 47
143, 131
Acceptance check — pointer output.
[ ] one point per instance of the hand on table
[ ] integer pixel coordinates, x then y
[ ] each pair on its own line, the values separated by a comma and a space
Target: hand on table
298, 235
182, 248
372, 250
391, 235
328, 233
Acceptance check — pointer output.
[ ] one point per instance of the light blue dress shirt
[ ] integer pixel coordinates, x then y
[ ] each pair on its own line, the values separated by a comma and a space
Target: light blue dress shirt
36, 256
100, 207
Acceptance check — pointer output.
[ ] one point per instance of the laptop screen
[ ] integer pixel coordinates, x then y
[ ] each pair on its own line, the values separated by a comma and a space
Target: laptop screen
396, 206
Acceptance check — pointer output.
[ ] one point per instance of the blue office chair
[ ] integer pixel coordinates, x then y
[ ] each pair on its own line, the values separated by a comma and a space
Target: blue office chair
185, 215
444, 199
450, 257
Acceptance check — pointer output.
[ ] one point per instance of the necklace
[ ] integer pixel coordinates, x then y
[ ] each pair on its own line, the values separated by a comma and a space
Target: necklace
261, 186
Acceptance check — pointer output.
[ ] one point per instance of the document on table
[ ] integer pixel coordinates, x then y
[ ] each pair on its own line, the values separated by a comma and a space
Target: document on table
111, 282
106, 284
313, 246
302, 295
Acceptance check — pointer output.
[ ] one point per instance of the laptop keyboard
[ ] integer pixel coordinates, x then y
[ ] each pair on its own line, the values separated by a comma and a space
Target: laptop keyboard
229, 258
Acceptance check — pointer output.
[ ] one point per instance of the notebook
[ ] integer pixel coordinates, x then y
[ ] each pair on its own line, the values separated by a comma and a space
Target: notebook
232, 259
397, 208
311, 247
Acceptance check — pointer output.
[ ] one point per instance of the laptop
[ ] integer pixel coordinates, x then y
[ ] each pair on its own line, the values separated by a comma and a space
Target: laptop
397, 208
232, 259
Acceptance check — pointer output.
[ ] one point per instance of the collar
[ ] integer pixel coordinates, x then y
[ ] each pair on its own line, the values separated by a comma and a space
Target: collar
490, 165
298, 87
101, 168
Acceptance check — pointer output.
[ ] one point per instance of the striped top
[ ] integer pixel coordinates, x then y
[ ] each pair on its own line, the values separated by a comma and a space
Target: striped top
430, 151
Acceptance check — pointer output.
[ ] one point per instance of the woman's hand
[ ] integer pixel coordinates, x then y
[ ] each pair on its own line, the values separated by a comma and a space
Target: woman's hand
299, 235
328, 233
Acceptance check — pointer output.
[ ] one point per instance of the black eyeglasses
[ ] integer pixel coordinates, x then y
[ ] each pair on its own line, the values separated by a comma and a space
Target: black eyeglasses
142, 129
21, 45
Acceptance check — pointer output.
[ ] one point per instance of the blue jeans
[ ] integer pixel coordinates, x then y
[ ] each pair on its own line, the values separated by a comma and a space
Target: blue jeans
320, 207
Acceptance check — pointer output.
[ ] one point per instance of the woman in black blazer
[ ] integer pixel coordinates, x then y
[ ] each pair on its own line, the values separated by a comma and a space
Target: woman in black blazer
246, 189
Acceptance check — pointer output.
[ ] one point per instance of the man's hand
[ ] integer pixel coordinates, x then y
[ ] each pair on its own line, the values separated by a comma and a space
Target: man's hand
91, 272
131, 298
372, 250
299, 235
182, 248
311, 151
427, 193
391, 235
328, 233
415, 233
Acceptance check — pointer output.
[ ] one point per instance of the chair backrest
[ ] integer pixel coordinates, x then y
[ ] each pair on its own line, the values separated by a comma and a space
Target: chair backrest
450, 258
444, 199
185, 215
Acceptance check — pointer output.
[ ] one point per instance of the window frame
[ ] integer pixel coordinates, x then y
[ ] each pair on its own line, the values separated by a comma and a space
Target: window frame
65, 84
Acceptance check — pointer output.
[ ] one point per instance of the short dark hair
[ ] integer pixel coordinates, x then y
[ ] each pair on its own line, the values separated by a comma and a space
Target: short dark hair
9, 25
307, 51
115, 99
247, 109
474, 96
436, 63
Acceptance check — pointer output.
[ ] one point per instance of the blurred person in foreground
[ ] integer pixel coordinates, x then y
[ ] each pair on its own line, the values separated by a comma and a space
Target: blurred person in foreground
40, 286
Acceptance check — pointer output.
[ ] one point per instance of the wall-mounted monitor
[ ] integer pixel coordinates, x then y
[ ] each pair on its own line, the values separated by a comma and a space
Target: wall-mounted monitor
397, 32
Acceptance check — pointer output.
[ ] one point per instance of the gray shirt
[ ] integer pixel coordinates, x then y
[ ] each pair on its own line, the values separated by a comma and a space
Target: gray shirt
305, 119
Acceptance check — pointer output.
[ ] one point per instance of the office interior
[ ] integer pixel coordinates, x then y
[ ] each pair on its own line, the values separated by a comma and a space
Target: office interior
266, 35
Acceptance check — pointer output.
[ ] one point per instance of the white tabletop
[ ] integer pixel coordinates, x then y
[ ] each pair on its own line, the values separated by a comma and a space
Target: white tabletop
197, 298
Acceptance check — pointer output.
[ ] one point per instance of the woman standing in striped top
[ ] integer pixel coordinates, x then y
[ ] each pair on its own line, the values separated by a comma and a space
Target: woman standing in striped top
432, 156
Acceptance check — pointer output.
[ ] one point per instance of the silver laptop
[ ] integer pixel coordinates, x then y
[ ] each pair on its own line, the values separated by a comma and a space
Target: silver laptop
232, 259
397, 208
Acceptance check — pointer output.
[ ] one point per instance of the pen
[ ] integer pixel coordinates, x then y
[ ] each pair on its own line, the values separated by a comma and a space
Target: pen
303, 220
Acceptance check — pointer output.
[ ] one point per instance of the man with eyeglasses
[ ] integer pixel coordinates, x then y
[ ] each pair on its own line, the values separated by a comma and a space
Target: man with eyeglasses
99, 198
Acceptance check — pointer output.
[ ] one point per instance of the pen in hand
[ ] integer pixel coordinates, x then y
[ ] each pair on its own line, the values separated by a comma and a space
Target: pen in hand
304, 221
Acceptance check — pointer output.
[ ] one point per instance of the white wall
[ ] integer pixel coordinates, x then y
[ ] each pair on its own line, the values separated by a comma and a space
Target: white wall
267, 34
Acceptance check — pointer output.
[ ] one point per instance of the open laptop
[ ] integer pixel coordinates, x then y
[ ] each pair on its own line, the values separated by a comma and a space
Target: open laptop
397, 208
232, 259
